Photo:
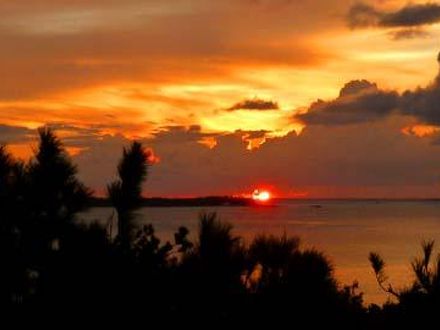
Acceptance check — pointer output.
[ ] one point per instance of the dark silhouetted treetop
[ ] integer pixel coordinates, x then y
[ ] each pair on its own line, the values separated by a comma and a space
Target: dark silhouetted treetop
55, 189
125, 193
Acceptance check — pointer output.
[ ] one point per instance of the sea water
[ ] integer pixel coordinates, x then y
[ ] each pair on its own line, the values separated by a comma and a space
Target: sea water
346, 231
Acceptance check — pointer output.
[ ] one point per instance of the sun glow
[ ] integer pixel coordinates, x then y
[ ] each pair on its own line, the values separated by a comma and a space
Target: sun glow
261, 195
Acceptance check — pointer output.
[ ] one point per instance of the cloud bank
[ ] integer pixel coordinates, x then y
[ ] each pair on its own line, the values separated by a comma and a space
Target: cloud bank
362, 101
408, 22
412, 15
359, 101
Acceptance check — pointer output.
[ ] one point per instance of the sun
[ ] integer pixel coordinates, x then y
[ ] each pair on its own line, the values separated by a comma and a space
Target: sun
261, 195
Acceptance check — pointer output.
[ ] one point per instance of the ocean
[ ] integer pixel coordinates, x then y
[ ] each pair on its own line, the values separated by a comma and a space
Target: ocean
346, 231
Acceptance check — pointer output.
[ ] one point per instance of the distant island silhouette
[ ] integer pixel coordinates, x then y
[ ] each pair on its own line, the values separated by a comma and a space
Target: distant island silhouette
184, 202
232, 201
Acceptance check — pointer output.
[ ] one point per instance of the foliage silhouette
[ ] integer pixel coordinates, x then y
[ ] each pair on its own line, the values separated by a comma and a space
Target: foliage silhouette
417, 304
12, 281
53, 195
269, 257
287, 279
125, 193
56, 192
39, 201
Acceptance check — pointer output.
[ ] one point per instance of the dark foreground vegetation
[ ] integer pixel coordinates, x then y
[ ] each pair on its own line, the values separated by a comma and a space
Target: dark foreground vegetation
49, 262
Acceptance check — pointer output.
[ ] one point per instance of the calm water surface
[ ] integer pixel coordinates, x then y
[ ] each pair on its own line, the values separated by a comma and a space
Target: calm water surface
345, 230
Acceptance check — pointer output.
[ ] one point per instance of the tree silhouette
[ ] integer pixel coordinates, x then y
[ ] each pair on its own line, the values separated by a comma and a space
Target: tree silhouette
125, 193
56, 194
5, 170
269, 257
7, 193
39, 201
378, 265
11, 276
418, 303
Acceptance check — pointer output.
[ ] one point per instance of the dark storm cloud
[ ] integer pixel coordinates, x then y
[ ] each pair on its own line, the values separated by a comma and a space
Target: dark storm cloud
254, 104
359, 101
362, 101
423, 103
413, 15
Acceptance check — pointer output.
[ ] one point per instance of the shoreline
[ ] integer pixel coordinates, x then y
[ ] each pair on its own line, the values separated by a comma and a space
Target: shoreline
228, 201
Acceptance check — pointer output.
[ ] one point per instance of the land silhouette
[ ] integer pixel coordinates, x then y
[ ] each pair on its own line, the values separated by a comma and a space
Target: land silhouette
52, 261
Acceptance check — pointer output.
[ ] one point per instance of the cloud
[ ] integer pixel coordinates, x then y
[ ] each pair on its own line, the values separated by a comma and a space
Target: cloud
108, 81
326, 161
408, 21
254, 104
359, 101
411, 33
50, 47
363, 15
412, 15
14, 134
423, 103
362, 101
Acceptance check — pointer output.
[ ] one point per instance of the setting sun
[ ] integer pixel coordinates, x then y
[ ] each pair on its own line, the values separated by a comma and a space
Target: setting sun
261, 195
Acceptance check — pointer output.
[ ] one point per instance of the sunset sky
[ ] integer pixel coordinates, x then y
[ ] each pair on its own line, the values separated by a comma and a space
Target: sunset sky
318, 98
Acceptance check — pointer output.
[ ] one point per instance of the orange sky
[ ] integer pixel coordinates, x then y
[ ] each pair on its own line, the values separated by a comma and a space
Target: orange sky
225, 81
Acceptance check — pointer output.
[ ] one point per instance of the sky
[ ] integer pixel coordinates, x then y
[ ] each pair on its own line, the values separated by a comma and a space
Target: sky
309, 99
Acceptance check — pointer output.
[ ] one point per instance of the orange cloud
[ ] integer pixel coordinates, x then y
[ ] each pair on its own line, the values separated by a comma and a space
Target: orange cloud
104, 72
